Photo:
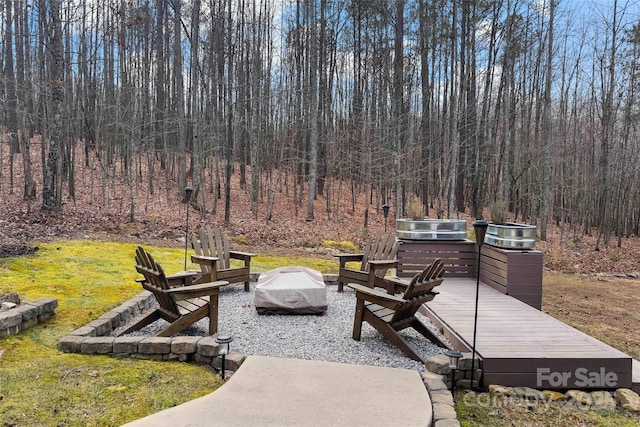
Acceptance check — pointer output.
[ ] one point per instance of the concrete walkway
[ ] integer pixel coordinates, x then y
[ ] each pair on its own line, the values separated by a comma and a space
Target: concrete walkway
269, 391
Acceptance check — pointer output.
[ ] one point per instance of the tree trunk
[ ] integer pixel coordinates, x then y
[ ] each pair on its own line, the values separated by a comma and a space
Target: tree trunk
52, 175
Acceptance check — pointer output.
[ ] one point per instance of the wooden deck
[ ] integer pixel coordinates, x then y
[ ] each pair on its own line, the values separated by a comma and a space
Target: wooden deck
522, 346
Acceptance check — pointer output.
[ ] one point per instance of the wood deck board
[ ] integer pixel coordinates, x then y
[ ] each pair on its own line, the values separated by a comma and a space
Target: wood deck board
514, 339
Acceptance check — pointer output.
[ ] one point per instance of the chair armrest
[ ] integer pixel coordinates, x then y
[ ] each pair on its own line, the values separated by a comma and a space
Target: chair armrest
377, 268
181, 278
376, 297
204, 260
193, 291
395, 284
350, 257
241, 255
345, 258
386, 263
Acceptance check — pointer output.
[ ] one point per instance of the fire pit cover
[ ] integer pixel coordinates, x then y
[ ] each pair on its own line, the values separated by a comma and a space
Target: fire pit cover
291, 290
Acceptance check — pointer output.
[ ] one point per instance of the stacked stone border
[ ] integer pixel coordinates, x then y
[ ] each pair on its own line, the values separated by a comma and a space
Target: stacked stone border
93, 338
437, 380
26, 315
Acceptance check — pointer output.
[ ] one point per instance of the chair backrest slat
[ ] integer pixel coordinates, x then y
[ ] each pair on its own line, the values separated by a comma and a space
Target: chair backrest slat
209, 243
383, 248
221, 247
156, 279
197, 245
369, 247
420, 290
213, 243
426, 280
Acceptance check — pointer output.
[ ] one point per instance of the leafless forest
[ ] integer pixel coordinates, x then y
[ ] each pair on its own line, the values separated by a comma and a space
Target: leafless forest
456, 105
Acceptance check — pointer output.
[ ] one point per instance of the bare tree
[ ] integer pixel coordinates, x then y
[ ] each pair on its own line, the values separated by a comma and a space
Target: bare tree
51, 196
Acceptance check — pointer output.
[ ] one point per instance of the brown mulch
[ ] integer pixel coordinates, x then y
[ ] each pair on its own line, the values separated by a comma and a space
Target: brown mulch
12, 250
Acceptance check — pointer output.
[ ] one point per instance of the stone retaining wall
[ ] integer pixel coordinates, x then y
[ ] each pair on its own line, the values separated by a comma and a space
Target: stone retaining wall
93, 338
26, 315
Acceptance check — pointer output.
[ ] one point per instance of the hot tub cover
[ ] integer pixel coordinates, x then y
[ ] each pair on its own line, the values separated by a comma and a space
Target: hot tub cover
291, 290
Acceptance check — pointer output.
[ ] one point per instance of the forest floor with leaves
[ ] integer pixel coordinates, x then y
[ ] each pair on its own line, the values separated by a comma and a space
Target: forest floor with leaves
161, 219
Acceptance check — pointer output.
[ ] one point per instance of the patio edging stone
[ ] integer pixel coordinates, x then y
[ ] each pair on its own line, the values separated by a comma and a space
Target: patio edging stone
26, 315
200, 350
93, 338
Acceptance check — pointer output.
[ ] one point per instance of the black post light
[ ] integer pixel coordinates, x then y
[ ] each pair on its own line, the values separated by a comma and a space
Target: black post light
385, 212
454, 356
480, 229
188, 192
223, 349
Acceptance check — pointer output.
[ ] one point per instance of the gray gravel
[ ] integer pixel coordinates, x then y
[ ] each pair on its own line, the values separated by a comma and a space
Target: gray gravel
324, 337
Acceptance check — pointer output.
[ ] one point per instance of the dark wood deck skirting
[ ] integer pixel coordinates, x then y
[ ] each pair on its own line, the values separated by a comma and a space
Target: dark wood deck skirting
459, 257
522, 346
513, 272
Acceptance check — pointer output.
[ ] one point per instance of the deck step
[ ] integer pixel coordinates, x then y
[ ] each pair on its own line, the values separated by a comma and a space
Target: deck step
635, 376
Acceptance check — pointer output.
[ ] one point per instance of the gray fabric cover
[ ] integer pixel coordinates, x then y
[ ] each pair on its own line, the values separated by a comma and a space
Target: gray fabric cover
291, 290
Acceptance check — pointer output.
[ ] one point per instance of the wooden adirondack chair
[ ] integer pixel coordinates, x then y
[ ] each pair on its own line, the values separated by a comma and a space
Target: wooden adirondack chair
390, 314
214, 255
181, 306
379, 256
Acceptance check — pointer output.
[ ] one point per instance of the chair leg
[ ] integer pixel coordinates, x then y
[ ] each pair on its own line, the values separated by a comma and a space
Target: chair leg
397, 339
213, 314
392, 335
184, 322
147, 320
422, 329
357, 320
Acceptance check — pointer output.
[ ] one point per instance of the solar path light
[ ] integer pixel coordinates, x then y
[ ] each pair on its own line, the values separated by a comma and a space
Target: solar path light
385, 212
454, 356
223, 349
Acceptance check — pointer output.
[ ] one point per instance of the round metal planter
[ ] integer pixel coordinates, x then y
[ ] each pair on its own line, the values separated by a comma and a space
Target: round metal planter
431, 229
511, 235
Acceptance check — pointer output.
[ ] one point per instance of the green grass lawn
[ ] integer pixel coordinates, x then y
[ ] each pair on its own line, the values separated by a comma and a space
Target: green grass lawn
41, 386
